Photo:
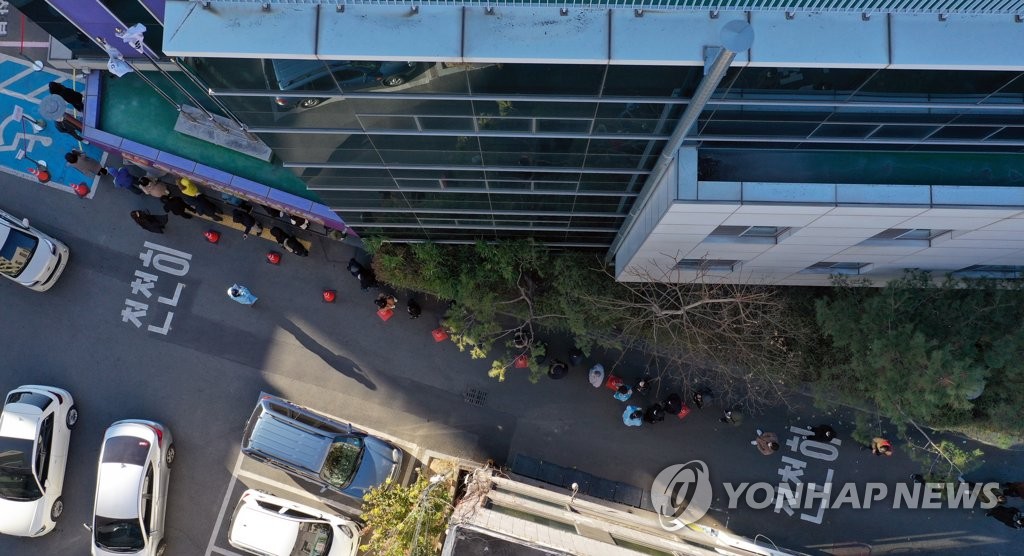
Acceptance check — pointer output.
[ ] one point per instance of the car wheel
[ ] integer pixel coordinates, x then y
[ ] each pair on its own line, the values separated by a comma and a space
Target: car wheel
72, 417
393, 81
161, 548
57, 509
310, 102
169, 458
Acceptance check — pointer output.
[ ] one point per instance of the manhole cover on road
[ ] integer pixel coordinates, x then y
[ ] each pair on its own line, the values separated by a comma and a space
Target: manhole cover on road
474, 396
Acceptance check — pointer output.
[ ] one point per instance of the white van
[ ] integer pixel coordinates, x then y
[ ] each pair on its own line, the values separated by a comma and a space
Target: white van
28, 256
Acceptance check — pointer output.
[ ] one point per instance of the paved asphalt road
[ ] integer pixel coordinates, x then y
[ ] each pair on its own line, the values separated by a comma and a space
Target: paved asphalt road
203, 376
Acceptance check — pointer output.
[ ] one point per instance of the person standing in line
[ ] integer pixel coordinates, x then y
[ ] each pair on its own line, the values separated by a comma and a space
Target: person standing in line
85, 163
673, 404
153, 188
385, 301
698, 400
633, 416
123, 179
767, 442
655, 413
880, 446
727, 417
413, 309
69, 129
150, 222
70, 96
239, 216
188, 188
622, 393
822, 433
203, 206
1007, 515
242, 295
176, 205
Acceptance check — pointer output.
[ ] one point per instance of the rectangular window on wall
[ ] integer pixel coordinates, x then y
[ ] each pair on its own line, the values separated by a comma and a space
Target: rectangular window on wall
725, 265
1012, 272
841, 268
749, 234
938, 85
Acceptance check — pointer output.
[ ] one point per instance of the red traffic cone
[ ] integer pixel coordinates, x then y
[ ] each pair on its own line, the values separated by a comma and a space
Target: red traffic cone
522, 362
80, 189
274, 257
41, 174
330, 296
213, 236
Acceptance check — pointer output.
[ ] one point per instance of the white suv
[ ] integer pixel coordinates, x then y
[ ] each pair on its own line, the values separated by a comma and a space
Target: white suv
131, 489
270, 526
35, 429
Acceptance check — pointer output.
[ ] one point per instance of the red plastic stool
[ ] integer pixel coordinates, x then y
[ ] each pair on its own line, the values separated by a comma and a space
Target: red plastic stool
385, 314
683, 412
613, 382
439, 334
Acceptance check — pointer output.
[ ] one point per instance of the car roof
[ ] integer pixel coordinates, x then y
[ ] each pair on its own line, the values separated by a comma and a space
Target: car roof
263, 530
118, 488
280, 439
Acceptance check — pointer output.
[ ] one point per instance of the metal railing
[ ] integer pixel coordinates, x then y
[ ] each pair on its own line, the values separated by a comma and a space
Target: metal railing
1010, 7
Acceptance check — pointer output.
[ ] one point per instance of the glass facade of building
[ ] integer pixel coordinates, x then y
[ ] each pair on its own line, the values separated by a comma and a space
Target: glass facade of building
432, 151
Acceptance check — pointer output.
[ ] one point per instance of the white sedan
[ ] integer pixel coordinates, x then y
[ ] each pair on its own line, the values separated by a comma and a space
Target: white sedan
35, 429
28, 256
270, 526
131, 489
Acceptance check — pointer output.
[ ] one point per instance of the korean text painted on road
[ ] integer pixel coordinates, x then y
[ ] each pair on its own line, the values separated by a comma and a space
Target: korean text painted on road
792, 471
172, 263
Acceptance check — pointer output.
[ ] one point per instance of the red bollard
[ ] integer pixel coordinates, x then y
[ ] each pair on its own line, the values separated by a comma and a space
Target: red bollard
213, 236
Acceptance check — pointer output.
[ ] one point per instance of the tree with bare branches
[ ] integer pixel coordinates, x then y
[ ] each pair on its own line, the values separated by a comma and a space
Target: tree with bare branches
737, 340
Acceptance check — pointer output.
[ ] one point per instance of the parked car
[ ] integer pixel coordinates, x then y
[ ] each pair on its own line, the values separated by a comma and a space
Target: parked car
35, 429
270, 526
131, 489
28, 256
315, 75
327, 452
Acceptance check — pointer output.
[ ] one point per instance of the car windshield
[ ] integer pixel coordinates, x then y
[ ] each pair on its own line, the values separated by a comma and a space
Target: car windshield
16, 479
16, 252
119, 535
314, 540
342, 460
126, 449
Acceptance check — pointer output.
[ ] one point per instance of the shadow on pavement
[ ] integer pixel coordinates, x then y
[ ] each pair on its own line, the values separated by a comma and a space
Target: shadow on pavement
339, 363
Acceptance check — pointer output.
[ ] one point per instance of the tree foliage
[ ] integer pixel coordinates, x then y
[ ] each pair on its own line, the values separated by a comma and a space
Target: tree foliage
500, 290
938, 352
407, 521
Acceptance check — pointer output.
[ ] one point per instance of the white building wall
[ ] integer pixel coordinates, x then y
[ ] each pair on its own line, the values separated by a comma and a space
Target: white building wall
987, 228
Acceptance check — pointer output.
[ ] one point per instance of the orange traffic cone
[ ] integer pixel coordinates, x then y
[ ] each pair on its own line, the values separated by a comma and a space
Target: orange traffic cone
41, 174
213, 236
274, 257
80, 189
330, 296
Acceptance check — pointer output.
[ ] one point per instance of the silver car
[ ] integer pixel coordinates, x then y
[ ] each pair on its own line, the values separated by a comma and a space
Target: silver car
131, 489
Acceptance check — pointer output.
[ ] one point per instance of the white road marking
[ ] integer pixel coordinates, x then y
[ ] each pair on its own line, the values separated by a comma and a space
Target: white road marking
224, 506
